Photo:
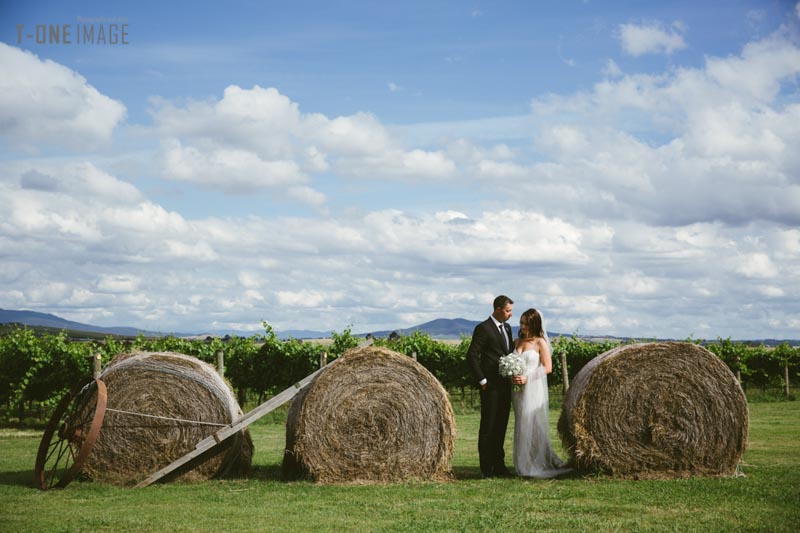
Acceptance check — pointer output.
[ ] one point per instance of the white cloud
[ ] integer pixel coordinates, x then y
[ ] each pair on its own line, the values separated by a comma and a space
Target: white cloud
564, 140
501, 170
307, 298
153, 268
718, 132
45, 103
651, 38
451, 216
398, 164
611, 69
231, 170
771, 291
465, 242
638, 285
257, 138
116, 283
757, 265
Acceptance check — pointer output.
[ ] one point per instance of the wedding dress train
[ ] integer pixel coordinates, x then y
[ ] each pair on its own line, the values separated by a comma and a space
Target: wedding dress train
533, 451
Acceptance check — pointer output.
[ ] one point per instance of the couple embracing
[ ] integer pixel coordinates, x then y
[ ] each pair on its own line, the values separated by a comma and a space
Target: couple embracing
491, 340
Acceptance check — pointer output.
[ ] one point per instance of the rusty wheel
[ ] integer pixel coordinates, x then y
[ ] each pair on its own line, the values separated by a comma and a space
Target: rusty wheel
70, 435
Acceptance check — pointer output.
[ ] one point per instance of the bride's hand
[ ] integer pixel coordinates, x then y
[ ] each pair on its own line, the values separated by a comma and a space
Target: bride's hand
519, 380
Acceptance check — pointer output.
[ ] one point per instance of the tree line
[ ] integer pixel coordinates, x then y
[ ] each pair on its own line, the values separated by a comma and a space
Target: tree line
37, 369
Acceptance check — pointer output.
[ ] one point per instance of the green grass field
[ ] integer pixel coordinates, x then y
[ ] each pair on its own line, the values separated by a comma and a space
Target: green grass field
767, 499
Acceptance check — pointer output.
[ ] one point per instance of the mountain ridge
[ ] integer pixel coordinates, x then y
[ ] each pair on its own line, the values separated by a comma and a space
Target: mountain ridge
35, 318
439, 328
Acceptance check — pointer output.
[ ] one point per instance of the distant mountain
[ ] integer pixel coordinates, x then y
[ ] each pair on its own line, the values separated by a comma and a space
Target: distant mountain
33, 318
441, 328
302, 334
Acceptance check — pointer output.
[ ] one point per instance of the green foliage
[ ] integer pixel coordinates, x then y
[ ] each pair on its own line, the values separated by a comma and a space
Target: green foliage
35, 371
578, 352
342, 342
732, 354
279, 364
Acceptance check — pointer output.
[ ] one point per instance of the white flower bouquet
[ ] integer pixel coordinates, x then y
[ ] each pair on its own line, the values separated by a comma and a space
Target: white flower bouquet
511, 365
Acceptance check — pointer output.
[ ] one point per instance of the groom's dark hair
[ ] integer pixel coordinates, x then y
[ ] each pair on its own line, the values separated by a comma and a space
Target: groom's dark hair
502, 301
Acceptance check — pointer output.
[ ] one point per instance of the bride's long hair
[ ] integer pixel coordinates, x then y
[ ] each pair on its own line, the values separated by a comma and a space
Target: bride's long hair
530, 325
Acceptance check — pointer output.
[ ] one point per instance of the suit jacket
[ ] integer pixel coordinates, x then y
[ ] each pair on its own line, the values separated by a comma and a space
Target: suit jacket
486, 349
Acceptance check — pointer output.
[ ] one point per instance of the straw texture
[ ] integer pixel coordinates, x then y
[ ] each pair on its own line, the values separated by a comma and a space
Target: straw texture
165, 385
655, 410
373, 416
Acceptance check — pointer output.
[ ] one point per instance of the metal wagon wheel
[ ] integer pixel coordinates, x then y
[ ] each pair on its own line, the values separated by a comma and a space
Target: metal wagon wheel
70, 435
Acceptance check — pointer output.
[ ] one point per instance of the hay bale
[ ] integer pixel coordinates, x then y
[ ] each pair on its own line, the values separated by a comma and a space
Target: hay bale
373, 416
186, 401
655, 410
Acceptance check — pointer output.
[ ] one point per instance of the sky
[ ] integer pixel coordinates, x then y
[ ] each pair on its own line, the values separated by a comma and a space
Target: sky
629, 168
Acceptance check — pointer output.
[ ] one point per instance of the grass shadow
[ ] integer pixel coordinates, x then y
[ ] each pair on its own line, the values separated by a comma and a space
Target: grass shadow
19, 478
266, 473
466, 472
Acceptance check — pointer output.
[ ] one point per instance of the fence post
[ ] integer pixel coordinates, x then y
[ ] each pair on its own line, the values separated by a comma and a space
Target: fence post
97, 365
323, 358
786, 379
220, 364
564, 371
414, 355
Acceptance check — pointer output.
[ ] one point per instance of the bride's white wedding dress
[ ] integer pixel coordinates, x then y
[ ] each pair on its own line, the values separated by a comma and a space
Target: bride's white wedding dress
533, 451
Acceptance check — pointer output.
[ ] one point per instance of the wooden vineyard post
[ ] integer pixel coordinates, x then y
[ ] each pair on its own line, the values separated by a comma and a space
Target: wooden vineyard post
786, 379
220, 364
97, 365
323, 358
738, 369
414, 355
564, 371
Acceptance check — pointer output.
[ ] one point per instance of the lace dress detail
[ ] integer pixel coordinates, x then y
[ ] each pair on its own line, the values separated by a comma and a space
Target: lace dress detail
533, 451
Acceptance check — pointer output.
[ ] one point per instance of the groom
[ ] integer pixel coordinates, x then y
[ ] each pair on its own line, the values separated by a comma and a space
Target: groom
490, 341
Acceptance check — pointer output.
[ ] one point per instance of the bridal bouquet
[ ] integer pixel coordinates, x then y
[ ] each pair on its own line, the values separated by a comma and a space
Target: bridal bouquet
511, 365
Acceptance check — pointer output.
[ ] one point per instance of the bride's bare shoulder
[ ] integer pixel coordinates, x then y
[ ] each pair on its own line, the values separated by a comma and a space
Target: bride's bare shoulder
540, 343
527, 344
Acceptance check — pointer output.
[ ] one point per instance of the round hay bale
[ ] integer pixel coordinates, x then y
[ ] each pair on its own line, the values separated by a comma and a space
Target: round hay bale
160, 405
655, 410
373, 416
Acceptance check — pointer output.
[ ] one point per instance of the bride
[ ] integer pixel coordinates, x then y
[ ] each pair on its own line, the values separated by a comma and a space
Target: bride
533, 451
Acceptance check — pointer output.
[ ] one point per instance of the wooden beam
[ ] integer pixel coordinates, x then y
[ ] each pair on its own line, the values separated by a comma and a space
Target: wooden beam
235, 427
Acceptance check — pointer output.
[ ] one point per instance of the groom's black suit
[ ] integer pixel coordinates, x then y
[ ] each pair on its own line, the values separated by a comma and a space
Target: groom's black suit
485, 350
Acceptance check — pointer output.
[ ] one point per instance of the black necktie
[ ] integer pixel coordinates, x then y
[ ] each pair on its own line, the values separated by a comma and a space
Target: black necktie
505, 338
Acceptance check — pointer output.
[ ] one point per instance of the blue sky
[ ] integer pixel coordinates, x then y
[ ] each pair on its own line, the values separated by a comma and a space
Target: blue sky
627, 167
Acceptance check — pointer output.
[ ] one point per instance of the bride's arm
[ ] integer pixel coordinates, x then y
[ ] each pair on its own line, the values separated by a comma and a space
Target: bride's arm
545, 356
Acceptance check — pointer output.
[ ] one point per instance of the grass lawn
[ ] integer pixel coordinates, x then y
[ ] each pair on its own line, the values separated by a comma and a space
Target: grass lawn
767, 499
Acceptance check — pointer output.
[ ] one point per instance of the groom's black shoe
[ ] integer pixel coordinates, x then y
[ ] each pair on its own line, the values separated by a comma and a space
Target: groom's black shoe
486, 476
503, 472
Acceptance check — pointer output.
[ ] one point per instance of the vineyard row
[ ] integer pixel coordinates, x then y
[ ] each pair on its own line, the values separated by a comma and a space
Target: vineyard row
36, 370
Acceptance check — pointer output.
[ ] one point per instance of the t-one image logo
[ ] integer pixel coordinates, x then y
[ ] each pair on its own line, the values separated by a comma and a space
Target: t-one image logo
85, 31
